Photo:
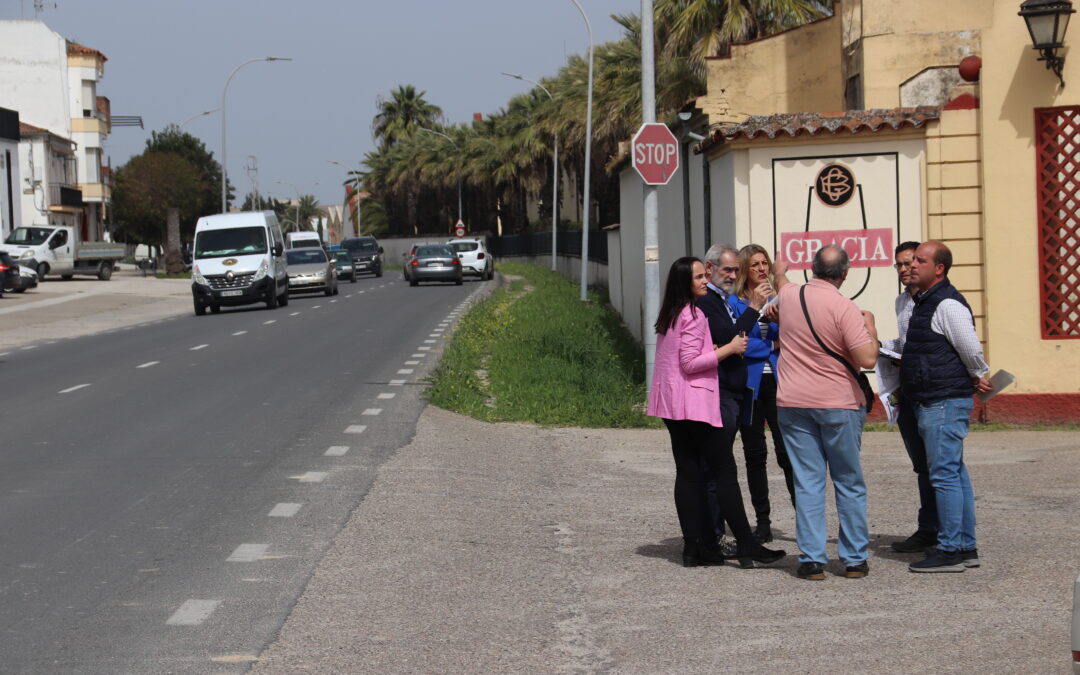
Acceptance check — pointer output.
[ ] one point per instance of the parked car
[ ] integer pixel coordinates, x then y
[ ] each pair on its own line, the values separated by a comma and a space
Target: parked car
434, 262
366, 254
344, 264
9, 274
310, 270
238, 261
27, 278
474, 256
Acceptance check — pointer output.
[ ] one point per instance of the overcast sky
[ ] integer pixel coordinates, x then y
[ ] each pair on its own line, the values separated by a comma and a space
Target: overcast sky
168, 60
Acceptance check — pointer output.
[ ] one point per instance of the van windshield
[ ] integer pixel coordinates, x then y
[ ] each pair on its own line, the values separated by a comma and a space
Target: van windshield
234, 241
29, 236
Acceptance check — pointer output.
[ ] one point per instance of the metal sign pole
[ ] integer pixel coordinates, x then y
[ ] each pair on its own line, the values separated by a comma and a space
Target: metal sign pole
650, 209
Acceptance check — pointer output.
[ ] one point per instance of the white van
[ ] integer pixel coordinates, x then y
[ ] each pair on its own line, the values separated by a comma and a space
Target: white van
302, 239
238, 259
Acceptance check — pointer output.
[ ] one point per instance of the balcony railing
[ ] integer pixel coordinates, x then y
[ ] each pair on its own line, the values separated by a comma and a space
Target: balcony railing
64, 195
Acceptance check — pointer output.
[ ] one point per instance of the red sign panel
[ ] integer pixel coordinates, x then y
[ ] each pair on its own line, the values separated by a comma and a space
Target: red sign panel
655, 153
865, 248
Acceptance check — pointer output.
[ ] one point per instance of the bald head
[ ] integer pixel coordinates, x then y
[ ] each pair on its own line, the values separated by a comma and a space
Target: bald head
831, 264
932, 262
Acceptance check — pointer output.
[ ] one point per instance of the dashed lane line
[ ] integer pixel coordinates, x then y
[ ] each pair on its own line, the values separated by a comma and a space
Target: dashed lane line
312, 477
336, 451
284, 510
75, 388
405, 371
193, 612
198, 347
267, 323
412, 363
372, 411
148, 364
386, 396
294, 314
248, 553
239, 332
396, 383
356, 429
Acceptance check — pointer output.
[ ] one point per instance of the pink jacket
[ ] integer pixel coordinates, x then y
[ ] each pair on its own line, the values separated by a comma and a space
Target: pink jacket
685, 385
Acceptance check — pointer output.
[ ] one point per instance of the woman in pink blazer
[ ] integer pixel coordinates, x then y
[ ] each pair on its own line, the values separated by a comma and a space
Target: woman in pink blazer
685, 393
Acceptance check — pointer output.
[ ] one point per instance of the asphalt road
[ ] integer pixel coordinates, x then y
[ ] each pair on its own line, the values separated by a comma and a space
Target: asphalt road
167, 489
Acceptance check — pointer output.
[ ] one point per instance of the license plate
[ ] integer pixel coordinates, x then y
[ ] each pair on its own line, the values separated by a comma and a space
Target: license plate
228, 294
434, 264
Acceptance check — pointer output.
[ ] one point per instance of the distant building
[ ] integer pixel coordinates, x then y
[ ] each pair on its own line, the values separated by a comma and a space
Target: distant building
52, 82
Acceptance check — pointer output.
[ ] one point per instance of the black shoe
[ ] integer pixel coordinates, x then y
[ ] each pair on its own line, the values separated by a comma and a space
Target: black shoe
763, 534
728, 547
699, 556
939, 561
970, 557
857, 571
814, 571
916, 543
748, 555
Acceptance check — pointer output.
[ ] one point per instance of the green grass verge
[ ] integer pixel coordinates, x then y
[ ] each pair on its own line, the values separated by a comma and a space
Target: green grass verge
534, 352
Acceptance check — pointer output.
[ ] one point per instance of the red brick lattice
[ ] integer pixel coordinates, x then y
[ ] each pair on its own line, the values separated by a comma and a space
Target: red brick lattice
1057, 132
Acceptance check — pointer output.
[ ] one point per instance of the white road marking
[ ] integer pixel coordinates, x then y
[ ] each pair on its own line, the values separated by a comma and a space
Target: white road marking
336, 450
396, 383
437, 331
312, 477
355, 429
349, 295
316, 306
412, 363
193, 612
372, 411
419, 356
424, 349
404, 371
198, 347
359, 292
434, 335
239, 332
294, 313
71, 389
5, 353
29, 347
430, 342
148, 364
248, 553
333, 301
51, 342
284, 510
386, 397
267, 323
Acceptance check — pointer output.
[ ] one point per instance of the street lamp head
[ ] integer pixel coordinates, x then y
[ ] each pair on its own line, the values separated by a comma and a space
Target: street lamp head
278, 58
514, 75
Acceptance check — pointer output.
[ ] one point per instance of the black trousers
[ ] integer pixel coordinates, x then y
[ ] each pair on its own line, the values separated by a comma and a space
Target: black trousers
700, 459
756, 452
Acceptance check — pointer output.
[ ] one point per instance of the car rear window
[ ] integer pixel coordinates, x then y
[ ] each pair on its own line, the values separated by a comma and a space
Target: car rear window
431, 251
465, 246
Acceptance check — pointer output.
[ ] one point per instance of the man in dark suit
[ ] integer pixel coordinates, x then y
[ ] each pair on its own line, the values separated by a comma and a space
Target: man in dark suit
722, 266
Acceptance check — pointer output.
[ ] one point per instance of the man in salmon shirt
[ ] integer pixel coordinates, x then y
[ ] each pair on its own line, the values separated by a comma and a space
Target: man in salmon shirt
821, 409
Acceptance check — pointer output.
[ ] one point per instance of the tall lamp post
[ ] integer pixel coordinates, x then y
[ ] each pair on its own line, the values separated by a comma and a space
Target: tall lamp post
555, 172
439, 133
588, 164
205, 112
224, 157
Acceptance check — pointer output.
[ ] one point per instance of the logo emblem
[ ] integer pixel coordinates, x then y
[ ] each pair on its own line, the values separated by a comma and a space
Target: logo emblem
834, 185
229, 261
229, 275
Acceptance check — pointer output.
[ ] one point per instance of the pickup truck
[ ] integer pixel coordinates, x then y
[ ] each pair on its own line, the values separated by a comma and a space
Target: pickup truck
56, 249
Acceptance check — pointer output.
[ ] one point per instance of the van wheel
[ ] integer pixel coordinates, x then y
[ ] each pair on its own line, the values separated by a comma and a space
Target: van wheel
105, 271
42, 270
200, 309
272, 298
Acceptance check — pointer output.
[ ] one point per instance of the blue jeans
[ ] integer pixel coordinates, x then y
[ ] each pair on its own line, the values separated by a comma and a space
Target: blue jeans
820, 441
916, 449
943, 425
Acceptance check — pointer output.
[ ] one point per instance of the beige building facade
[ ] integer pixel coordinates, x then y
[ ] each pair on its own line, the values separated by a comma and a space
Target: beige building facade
863, 129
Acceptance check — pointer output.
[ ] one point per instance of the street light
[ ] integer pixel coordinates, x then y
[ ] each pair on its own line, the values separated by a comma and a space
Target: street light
345, 205
439, 133
205, 112
555, 172
588, 164
224, 92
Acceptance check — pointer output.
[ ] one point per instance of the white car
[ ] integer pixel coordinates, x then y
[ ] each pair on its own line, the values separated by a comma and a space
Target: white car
475, 258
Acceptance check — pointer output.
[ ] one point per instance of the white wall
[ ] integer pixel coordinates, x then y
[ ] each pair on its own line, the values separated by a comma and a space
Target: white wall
33, 68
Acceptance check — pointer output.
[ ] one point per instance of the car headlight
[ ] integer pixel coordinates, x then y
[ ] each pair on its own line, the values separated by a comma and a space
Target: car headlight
27, 254
197, 276
262, 271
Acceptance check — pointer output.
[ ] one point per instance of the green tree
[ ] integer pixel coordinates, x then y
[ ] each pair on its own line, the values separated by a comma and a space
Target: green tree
146, 187
401, 114
173, 139
298, 215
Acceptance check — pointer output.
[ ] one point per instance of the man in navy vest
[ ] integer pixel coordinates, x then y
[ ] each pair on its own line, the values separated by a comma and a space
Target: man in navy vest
942, 367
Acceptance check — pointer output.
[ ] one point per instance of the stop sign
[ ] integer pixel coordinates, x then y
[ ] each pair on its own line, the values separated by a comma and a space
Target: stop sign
655, 153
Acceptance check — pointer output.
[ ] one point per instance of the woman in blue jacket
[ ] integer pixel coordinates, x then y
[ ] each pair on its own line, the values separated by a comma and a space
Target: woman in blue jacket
759, 404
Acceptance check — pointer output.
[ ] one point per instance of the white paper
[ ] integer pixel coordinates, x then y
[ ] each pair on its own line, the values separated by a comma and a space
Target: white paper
998, 381
888, 381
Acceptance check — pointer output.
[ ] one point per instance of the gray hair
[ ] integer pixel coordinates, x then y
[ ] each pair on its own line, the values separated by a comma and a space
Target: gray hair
831, 263
715, 252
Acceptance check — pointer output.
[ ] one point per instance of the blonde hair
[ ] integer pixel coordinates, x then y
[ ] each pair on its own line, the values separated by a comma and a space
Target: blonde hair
742, 281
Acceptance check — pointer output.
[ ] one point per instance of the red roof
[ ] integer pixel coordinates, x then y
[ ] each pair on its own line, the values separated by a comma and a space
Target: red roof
791, 125
26, 129
76, 48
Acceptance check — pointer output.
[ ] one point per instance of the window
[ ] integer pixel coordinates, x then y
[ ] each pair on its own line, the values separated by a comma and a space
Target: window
1057, 132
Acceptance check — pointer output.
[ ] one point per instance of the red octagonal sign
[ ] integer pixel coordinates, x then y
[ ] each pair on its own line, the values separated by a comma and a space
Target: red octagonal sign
655, 153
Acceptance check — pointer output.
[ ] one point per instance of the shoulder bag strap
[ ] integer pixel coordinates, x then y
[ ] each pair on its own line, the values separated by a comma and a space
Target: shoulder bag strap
841, 359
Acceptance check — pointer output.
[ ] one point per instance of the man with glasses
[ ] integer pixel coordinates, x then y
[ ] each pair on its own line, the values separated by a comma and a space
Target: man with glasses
925, 536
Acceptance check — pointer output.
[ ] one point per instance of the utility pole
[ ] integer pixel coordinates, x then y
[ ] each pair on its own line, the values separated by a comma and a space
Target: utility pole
650, 209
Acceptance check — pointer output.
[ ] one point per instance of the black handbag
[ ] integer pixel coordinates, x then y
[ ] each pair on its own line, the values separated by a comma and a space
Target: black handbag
860, 377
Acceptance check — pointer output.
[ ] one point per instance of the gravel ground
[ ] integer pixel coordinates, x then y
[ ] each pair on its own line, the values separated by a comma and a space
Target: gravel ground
505, 547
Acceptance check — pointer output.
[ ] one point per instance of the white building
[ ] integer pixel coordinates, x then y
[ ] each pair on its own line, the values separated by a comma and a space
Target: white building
52, 82
10, 211
50, 191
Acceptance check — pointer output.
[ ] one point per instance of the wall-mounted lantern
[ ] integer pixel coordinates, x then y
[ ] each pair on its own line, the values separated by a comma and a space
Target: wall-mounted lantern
1047, 21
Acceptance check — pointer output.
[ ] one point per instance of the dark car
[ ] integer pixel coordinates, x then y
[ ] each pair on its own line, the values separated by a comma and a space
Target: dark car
344, 264
9, 273
434, 262
366, 254
311, 271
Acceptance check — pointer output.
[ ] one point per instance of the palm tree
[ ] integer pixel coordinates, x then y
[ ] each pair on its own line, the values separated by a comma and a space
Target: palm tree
401, 114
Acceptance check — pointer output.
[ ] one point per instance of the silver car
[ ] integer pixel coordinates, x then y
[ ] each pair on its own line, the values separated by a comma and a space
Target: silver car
434, 262
310, 271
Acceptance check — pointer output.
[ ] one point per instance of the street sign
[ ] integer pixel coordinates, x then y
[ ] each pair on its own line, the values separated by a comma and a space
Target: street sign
655, 153
459, 229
